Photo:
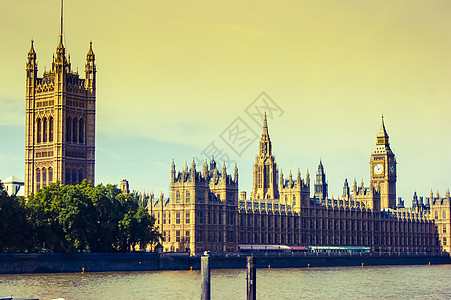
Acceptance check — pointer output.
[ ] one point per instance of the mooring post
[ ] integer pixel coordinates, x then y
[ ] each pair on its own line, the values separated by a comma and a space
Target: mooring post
251, 278
205, 271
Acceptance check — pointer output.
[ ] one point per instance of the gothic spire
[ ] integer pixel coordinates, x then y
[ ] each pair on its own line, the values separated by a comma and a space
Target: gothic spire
31, 52
382, 136
265, 126
265, 142
281, 179
31, 63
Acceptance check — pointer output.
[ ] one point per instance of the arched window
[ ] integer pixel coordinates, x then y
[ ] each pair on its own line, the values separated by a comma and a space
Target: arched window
177, 197
81, 131
259, 178
51, 129
444, 214
39, 131
50, 175
38, 179
44, 136
68, 129
74, 131
436, 214
80, 176
187, 197
44, 177
67, 176
74, 176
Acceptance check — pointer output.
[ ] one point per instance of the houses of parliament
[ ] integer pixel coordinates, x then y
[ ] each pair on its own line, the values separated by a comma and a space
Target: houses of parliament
205, 210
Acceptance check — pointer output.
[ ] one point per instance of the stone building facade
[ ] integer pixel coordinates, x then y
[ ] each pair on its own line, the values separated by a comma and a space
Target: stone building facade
438, 209
202, 210
60, 121
282, 211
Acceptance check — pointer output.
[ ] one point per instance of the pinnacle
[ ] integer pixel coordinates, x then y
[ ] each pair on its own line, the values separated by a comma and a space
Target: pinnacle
382, 130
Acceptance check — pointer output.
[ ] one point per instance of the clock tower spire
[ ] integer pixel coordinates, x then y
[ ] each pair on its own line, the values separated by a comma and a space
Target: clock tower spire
383, 169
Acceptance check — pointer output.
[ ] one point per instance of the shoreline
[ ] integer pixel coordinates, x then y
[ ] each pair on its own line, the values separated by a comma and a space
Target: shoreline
24, 263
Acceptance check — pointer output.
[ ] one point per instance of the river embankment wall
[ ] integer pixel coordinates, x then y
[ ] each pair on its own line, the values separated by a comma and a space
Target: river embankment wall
17, 263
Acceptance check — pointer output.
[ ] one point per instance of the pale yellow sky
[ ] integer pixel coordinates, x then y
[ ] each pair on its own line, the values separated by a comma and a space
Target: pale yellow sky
172, 76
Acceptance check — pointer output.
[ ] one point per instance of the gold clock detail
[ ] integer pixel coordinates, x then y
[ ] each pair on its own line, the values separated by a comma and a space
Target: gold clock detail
378, 169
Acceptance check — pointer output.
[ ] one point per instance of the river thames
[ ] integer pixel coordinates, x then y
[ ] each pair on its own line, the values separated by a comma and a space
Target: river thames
389, 282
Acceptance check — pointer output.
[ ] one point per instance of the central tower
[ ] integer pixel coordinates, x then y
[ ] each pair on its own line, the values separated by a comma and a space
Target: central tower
383, 170
60, 122
265, 169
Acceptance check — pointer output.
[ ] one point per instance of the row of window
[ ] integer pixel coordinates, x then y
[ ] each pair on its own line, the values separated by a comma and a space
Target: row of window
74, 176
178, 237
263, 176
167, 217
443, 214
44, 130
75, 130
216, 237
212, 197
265, 206
43, 177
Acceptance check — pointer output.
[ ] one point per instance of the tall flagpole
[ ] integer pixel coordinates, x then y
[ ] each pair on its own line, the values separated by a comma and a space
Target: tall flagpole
61, 17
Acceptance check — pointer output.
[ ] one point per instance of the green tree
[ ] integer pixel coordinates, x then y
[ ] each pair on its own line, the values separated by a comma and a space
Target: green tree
14, 228
43, 215
136, 228
77, 217
86, 218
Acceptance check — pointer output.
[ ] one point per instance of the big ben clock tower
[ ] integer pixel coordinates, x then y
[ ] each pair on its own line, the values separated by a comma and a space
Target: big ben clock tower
383, 170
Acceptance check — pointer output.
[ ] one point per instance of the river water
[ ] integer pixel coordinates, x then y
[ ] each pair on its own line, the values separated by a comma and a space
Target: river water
380, 282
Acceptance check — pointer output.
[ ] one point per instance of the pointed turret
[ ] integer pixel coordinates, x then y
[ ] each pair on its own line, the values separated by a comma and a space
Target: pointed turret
32, 66
382, 145
60, 59
172, 171
307, 178
415, 203
235, 174
265, 142
212, 163
31, 63
193, 171
90, 69
265, 126
320, 183
281, 179
224, 173
346, 189
298, 178
205, 171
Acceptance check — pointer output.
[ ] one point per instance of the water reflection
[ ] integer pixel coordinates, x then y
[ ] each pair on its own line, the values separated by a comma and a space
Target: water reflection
403, 282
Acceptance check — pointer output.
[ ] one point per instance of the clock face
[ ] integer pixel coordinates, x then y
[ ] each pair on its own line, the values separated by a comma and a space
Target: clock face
392, 169
378, 169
